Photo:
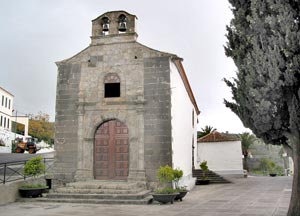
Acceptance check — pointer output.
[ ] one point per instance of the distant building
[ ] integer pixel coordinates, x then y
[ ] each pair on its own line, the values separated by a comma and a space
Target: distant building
7, 121
223, 153
6, 109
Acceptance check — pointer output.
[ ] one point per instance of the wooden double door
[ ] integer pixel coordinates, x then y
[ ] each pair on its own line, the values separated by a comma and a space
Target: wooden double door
111, 151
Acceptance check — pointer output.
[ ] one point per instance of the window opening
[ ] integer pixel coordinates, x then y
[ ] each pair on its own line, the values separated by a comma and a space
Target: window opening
112, 86
112, 90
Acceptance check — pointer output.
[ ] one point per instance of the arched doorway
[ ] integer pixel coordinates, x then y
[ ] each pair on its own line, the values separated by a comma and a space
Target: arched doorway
111, 151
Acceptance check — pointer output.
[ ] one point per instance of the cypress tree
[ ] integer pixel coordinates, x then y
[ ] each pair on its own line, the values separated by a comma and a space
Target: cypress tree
264, 43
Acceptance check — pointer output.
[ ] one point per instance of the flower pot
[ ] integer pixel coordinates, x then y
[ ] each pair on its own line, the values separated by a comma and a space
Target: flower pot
181, 195
32, 192
273, 174
165, 198
202, 182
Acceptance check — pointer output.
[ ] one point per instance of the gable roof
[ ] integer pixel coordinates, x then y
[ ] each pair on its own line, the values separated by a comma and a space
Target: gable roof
178, 63
219, 137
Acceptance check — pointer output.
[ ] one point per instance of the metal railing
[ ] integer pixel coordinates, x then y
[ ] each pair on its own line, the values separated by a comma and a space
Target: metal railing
13, 171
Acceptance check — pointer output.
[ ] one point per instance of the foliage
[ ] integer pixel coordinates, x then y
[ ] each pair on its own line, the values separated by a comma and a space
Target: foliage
263, 41
204, 131
247, 140
33, 186
181, 189
34, 167
166, 190
177, 174
165, 174
204, 168
41, 128
17, 128
267, 165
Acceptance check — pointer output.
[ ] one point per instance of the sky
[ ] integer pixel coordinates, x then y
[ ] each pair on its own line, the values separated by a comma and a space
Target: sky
35, 34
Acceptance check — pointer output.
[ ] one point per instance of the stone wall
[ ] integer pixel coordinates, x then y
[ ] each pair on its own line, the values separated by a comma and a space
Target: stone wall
157, 117
66, 122
144, 106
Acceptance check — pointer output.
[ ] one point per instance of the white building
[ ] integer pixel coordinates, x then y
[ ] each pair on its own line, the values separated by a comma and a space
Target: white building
223, 153
6, 119
6, 109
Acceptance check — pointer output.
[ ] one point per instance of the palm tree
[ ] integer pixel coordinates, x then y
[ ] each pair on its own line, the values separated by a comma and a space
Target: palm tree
206, 130
247, 140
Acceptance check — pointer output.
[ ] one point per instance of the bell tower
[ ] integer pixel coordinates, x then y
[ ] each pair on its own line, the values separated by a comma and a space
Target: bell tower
112, 27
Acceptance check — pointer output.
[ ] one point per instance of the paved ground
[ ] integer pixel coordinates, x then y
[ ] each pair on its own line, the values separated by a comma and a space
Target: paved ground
252, 196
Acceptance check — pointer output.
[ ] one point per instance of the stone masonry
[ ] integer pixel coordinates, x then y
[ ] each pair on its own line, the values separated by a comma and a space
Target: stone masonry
144, 103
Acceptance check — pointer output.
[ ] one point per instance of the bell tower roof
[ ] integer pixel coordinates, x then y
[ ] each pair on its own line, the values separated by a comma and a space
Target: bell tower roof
112, 27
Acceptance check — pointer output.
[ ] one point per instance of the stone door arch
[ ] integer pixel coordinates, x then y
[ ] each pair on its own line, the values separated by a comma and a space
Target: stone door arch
111, 151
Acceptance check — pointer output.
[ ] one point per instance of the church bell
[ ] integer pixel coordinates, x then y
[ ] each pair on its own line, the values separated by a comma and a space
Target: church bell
122, 27
105, 27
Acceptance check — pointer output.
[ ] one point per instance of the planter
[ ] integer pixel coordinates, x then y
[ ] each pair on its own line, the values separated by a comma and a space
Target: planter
181, 195
165, 198
202, 182
32, 192
273, 174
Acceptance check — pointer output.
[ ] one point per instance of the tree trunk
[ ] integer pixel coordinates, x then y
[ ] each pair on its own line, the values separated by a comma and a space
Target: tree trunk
294, 208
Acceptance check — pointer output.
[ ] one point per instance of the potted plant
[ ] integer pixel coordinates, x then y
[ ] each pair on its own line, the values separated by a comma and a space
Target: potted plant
204, 180
177, 174
33, 168
165, 194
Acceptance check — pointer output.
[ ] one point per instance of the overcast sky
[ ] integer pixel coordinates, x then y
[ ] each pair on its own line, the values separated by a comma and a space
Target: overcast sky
35, 34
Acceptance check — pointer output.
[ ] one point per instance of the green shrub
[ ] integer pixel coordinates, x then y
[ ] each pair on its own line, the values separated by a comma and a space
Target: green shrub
204, 167
34, 167
166, 190
269, 166
165, 174
177, 173
32, 186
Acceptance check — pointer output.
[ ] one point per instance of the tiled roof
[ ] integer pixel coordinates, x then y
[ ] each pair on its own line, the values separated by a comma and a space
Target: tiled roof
219, 137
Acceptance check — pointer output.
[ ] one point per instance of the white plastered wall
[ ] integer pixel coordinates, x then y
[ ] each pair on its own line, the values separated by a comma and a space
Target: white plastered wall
224, 158
183, 132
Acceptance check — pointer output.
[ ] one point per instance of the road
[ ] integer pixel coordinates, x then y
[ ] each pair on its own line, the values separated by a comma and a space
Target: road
14, 157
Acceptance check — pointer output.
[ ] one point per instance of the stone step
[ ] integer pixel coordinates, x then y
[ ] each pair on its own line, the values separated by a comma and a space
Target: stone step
212, 176
97, 191
136, 196
97, 184
146, 200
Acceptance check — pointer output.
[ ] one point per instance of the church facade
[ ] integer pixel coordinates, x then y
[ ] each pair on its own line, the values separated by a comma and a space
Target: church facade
123, 109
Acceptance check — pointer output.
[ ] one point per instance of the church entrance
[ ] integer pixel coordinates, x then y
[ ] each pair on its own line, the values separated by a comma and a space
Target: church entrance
111, 151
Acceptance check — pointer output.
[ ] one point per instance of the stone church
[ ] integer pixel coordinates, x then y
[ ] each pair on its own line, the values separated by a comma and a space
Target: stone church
123, 109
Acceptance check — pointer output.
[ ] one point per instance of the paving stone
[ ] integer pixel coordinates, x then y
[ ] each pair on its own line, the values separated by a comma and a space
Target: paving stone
236, 199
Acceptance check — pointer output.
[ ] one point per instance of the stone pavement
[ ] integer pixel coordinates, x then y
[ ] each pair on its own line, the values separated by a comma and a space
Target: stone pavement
252, 196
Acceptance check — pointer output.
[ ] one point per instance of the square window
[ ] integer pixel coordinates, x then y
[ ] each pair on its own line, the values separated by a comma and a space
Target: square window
112, 90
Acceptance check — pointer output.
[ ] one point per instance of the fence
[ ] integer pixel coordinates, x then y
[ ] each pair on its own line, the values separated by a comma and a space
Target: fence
13, 171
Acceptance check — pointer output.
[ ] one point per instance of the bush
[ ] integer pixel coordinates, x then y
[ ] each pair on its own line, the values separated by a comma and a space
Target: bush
34, 167
165, 174
166, 190
269, 166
